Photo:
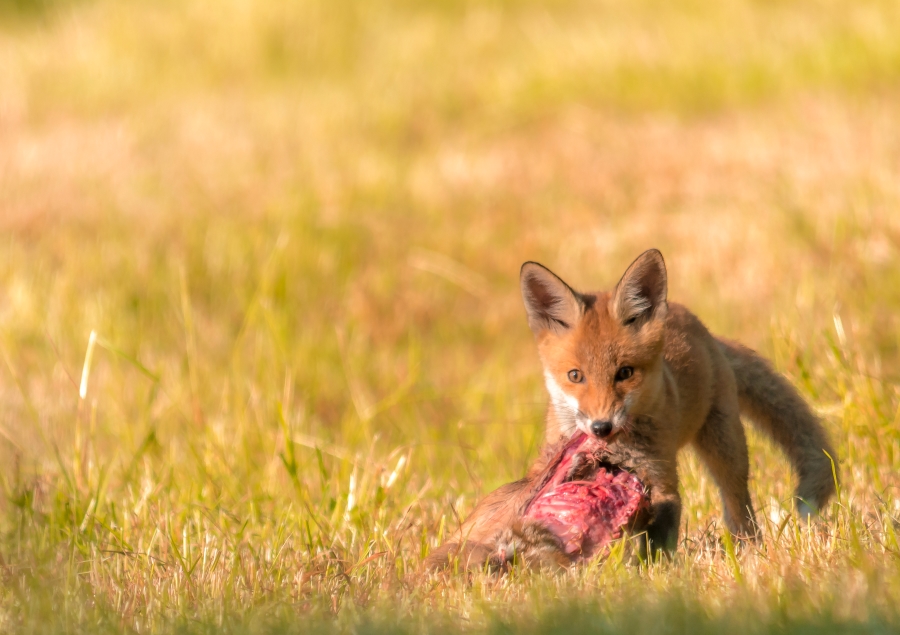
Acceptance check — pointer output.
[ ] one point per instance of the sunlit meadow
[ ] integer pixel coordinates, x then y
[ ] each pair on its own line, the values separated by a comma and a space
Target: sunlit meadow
261, 340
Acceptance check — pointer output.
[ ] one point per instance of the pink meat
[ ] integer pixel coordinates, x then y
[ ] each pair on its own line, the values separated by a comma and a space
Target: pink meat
587, 515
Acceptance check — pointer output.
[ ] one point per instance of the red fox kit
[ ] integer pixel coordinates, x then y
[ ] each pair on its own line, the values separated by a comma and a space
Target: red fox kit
645, 378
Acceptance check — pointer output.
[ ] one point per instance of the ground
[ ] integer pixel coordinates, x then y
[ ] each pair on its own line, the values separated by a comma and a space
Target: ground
261, 335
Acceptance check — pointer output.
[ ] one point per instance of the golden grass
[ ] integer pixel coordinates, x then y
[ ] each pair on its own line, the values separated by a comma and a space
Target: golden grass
296, 230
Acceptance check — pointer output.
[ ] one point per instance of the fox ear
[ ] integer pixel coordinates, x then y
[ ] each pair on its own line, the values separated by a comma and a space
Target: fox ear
550, 303
641, 293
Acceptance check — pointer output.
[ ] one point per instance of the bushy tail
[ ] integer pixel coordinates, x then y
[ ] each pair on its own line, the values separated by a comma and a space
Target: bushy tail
776, 408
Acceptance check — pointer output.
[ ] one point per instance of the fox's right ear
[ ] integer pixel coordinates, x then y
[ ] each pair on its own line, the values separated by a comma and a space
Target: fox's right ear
549, 302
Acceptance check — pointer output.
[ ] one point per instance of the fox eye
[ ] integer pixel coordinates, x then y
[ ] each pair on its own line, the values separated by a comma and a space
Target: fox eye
576, 376
624, 373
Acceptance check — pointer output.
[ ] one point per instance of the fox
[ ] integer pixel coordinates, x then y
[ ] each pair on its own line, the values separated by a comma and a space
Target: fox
645, 376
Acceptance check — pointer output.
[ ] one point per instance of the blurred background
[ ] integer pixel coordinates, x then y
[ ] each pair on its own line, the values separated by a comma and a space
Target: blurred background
295, 229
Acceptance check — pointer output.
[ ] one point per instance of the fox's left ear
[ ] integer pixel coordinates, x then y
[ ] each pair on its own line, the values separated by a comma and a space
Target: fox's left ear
641, 293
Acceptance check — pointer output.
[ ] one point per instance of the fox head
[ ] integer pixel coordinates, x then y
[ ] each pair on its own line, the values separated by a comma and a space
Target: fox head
602, 353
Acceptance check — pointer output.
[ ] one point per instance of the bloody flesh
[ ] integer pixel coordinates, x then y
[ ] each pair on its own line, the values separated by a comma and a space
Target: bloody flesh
590, 513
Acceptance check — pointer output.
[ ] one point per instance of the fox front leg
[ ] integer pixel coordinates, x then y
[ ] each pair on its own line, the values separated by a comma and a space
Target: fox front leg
662, 530
657, 469
661, 477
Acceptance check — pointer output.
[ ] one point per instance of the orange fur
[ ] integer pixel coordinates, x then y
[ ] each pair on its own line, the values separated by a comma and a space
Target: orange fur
650, 379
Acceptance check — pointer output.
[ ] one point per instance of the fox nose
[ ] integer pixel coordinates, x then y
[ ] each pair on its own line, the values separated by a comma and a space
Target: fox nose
601, 429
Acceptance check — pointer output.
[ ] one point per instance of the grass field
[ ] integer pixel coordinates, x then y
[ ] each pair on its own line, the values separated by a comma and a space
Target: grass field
260, 326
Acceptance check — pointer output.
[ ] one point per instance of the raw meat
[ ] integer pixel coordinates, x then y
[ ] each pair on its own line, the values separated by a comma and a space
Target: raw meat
589, 513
